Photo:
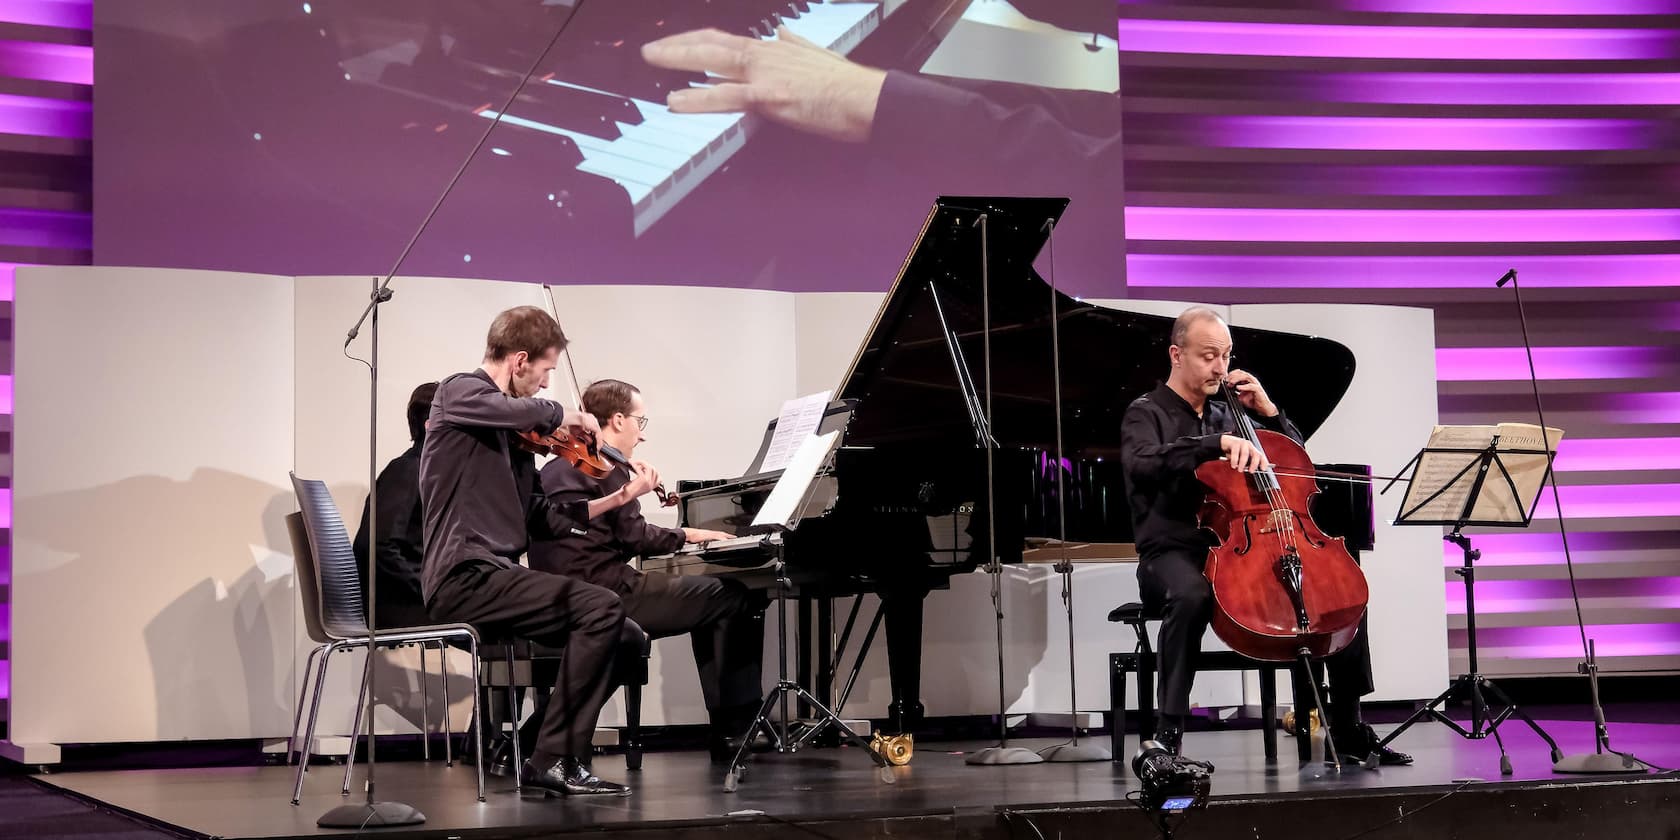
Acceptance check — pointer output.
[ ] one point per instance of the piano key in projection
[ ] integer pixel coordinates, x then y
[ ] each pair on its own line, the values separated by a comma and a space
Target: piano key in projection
660, 160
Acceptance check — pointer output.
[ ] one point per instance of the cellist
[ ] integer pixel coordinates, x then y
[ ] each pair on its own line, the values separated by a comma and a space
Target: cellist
1165, 435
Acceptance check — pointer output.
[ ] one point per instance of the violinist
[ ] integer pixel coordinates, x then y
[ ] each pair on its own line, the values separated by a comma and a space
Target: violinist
724, 621
1165, 435
479, 518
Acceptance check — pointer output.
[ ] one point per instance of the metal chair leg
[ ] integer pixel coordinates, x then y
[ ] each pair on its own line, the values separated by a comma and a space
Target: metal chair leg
303, 694
314, 714
425, 707
356, 728
448, 731
478, 729
513, 720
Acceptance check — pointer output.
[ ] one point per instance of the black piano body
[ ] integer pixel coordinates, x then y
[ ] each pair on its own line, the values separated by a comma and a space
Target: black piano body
949, 411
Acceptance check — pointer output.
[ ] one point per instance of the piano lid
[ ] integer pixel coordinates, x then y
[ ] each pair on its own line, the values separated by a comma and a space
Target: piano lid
907, 381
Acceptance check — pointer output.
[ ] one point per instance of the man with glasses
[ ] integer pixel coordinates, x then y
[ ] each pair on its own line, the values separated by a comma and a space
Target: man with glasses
725, 621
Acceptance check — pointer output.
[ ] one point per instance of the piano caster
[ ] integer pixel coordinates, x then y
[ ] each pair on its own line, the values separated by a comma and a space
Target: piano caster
896, 749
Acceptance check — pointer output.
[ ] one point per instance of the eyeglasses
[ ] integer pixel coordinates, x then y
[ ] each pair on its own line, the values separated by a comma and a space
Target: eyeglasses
641, 422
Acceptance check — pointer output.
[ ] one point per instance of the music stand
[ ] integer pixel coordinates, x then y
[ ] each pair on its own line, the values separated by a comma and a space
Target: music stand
795, 489
1460, 498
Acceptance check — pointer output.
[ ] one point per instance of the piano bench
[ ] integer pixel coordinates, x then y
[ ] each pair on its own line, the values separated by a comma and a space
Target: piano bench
1141, 661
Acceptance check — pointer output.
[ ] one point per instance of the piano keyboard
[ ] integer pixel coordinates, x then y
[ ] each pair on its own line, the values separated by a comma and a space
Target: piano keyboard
661, 159
728, 546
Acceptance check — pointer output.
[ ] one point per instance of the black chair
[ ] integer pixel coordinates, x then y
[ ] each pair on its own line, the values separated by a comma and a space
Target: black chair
335, 616
512, 665
1141, 661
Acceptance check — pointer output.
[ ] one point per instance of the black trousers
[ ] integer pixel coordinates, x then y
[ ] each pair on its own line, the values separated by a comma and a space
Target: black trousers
552, 610
1172, 583
725, 624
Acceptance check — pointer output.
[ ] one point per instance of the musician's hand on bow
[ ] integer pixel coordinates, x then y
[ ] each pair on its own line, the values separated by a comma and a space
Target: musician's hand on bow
578, 422
701, 535
1243, 455
789, 80
1250, 394
642, 481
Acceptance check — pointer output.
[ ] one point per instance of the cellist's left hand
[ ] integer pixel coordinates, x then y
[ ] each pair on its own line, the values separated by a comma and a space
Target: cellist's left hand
1250, 393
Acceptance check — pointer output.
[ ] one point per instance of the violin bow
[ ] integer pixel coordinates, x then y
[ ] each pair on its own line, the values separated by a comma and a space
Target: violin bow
577, 389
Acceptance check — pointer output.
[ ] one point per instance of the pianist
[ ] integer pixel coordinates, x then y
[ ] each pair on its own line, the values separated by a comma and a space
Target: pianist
479, 519
724, 621
1164, 436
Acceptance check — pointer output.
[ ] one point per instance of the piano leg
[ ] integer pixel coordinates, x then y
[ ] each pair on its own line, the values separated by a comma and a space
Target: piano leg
903, 610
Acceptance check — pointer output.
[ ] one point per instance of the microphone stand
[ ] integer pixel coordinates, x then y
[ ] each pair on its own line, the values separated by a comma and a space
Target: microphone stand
1072, 751
1603, 759
372, 812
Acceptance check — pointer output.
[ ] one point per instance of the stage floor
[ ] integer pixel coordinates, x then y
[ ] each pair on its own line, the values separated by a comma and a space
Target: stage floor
682, 790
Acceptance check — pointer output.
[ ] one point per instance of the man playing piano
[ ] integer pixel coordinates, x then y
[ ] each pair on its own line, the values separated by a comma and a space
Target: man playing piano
1165, 435
478, 520
724, 621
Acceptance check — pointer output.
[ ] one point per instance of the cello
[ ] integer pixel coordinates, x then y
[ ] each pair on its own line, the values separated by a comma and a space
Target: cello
1282, 589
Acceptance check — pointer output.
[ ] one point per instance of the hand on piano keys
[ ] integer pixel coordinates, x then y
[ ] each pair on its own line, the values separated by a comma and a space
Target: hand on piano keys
701, 535
788, 79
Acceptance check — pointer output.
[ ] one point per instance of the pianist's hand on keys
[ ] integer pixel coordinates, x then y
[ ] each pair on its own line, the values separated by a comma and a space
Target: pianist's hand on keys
701, 535
789, 80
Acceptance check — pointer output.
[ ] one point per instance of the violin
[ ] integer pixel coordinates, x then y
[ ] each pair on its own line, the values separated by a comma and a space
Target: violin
578, 450
1282, 588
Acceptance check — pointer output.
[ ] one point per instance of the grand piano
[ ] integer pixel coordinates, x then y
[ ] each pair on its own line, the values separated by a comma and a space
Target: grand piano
958, 405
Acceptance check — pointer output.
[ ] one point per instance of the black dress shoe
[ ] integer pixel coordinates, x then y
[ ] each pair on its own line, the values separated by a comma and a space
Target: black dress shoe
1355, 745
569, 777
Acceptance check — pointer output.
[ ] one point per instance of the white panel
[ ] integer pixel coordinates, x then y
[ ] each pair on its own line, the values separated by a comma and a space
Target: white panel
151, 593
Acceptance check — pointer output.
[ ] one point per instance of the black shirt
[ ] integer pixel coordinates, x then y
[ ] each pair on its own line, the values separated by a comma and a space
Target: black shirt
1162, 441
476, 508
601, 555
399, 558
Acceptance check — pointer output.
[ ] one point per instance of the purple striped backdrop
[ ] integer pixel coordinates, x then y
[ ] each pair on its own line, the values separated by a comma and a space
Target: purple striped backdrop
46, 118
1378, 152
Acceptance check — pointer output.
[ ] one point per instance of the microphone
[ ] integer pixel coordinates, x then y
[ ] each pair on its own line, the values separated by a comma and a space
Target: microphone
1509, 276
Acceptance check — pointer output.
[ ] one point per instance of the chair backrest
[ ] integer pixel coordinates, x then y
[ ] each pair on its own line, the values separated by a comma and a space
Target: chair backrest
343, 610
308, 592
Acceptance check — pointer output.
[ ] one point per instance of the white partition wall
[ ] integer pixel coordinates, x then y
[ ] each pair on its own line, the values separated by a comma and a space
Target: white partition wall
151, 592
158, 412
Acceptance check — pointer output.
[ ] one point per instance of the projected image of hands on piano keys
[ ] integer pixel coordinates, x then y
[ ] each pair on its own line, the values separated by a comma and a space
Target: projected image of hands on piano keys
657, 155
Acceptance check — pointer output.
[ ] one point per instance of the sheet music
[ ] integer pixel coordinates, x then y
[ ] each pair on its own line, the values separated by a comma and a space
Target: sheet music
797, 420
790, 489
1495, 503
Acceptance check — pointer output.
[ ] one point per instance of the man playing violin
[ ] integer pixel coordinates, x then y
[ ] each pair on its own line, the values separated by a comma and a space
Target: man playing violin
479, 518
1165, 435
724, 621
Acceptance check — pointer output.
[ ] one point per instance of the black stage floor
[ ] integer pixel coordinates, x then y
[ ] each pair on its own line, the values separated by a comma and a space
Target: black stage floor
834, 793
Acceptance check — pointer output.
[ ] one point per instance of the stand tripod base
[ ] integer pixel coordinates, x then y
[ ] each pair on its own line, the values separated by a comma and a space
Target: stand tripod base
1600, 763
1004, 755
1068, 753
371, 815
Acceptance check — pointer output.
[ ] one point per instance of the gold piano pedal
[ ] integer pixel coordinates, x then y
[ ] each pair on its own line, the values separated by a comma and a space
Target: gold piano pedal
1289, 722
896, 749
